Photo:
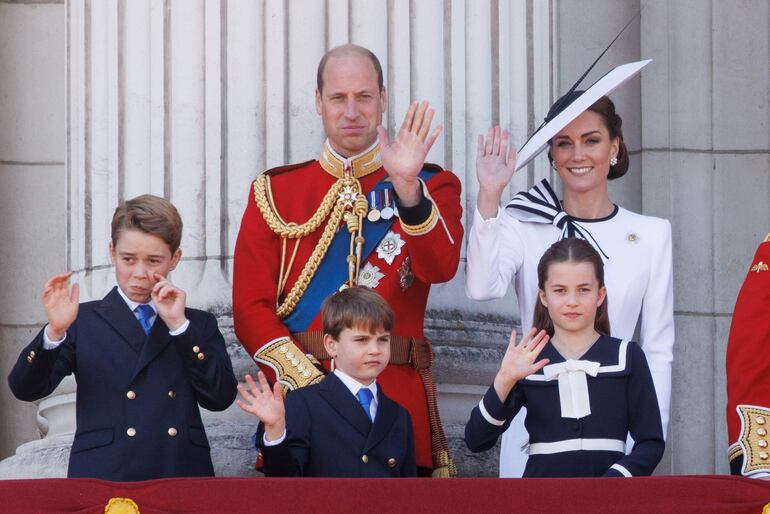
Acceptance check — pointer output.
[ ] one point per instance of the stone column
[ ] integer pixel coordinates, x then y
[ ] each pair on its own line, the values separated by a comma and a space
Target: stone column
32, 200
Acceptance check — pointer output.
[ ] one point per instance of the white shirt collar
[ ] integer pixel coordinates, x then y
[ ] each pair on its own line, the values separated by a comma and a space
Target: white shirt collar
132, 305
354, 385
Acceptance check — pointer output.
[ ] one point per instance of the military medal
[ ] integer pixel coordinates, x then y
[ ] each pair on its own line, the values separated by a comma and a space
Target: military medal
390, 246
348, 196
374, 213
405, 275
370, 276
387, 211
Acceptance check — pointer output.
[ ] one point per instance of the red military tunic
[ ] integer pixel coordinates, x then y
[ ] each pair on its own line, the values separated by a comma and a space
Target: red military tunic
748, 371
433, 256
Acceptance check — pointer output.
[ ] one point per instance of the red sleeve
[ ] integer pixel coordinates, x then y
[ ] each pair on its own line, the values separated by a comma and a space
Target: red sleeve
255, 281
748, 365
435, 249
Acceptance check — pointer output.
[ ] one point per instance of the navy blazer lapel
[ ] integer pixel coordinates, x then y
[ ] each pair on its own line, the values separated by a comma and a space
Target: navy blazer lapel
115, 312
157, 340
383, 421
342, 400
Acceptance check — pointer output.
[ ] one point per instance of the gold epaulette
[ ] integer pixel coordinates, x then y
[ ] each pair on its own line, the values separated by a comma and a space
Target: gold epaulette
753, 440
292, 367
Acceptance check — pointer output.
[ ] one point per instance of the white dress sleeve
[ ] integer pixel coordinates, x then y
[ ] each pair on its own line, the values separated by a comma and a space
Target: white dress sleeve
657, 328
494, 255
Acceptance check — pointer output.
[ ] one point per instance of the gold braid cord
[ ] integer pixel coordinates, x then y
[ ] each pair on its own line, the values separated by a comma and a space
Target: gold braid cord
343, 200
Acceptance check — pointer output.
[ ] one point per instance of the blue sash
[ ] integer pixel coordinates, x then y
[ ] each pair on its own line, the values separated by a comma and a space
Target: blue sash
333, 270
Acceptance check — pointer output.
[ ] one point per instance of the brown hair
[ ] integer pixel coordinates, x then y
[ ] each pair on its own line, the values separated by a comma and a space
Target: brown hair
346, 50
574, 250
605, 108
356, 307
149, 214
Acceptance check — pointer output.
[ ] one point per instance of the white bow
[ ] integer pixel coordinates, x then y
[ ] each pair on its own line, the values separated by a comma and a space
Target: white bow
573, 387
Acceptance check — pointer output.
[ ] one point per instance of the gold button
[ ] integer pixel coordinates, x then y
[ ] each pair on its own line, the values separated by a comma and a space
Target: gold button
196, 349
763, 455
391, 462
130, 395
760, 420
131, 432
32, 354
172, 431
172, 394
365, 458
201, 356
29, 359
762, 431
762, 443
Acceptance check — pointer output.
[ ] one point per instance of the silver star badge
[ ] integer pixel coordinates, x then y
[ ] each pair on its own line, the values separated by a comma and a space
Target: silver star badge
370, 276
390, 246
348, 196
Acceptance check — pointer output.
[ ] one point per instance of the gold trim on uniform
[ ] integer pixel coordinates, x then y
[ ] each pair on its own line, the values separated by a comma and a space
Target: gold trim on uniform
292, 367
734, 451
444, 466
363, 164
343, 201
424, 227
753, 438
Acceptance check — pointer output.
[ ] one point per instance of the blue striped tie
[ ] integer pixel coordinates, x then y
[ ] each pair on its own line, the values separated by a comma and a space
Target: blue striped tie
144, 314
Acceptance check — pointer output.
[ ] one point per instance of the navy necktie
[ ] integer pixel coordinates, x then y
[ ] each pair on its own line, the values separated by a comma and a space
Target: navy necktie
365, 396
144, 314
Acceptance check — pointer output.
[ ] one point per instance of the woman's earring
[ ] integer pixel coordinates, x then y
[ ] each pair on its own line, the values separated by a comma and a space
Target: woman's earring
613, 161
553, 165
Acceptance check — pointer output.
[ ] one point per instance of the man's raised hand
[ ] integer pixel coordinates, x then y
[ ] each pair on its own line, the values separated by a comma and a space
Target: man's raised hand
404, 156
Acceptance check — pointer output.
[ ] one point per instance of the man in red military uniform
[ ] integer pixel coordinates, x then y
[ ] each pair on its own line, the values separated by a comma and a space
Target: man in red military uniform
748, 372
369, 211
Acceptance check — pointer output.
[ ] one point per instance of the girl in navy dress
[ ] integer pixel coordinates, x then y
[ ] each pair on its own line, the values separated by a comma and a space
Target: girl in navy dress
584, 391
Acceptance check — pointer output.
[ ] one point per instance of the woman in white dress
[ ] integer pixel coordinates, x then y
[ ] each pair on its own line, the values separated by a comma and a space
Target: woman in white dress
505, 245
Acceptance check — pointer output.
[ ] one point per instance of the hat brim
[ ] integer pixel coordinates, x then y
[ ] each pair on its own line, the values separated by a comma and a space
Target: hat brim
604, 86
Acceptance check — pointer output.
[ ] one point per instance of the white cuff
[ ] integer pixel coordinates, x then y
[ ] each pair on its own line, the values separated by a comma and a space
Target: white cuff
276, 442
484, 223
487, 416
181, 330
622, 470
51, 345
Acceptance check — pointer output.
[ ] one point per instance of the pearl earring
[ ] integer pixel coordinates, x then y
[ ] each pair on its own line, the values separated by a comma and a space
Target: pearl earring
613, 161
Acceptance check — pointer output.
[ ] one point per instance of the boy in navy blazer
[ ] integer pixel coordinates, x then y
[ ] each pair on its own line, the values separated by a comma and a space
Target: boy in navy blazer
343, 426
143, 362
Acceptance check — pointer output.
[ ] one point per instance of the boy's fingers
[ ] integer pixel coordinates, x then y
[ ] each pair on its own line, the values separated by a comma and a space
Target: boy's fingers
278, 391
263, 385
252, 385
75, 295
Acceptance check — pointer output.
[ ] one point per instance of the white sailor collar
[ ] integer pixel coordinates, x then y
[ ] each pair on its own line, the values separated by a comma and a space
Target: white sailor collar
361, 165
612, 355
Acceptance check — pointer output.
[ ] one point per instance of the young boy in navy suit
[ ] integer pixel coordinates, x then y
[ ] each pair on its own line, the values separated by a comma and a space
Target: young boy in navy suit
143, 362
343, 426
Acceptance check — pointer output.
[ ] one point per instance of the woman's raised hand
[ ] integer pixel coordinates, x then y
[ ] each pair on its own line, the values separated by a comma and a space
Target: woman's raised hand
495, 164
